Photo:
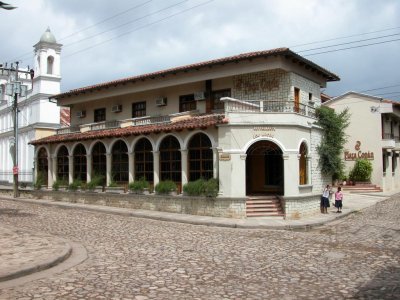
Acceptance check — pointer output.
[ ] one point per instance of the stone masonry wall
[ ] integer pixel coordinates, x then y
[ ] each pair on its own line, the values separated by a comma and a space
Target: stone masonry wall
266, 85
300, 207
306, 86
318, 180
202, 206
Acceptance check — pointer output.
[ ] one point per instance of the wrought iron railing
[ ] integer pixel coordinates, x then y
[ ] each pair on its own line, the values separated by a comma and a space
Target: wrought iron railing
268, 106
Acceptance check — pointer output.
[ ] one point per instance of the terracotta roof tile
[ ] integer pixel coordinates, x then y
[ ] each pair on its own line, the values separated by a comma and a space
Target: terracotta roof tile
203, 121
250, 55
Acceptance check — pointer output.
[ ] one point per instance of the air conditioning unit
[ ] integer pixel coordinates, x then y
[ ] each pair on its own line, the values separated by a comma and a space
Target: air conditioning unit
199, 96
116, 108
81, 114
161, 101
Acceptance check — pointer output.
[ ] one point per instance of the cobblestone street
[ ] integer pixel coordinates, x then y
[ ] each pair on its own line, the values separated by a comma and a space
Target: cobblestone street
132, 258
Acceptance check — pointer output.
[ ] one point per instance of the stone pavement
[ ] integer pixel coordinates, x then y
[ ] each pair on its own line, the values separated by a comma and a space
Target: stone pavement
25, 252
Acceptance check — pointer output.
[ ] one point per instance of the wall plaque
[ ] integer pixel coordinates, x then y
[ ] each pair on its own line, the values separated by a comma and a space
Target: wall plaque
263, 131
224, 157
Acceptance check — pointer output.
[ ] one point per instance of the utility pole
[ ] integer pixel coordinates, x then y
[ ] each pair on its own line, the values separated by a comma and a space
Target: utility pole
14, 89
17, 90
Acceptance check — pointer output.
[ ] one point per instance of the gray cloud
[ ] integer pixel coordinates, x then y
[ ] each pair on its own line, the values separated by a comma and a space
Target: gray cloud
218, 29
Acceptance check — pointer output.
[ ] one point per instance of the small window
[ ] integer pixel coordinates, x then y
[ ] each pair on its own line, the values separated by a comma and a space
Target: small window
50, 63
99, 115
187, 103
310, 97
217, 95
138, 109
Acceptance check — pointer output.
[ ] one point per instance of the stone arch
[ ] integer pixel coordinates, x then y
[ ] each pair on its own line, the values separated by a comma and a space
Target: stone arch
275, 141
264, 168
194, 132
162, 137
120, 161
138, 138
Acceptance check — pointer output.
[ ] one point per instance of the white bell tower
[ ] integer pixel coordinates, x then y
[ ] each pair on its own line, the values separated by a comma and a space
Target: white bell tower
47, 65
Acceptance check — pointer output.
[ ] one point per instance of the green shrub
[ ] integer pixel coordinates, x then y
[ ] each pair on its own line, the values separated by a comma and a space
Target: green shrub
212, 188
195, 188
202, 187
75, 185
139, 185
97, 180
361, 171
56, 185
165, 187
39, 181
113, 184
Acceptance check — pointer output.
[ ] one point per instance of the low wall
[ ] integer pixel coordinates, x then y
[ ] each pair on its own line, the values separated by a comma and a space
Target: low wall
302, 206
202, 206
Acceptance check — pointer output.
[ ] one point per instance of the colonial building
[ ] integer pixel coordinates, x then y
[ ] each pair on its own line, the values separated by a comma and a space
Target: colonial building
37, 116
373, 134
248, 120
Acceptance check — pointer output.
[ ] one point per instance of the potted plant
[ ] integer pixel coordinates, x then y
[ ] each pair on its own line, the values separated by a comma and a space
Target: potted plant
167, 187
140, 186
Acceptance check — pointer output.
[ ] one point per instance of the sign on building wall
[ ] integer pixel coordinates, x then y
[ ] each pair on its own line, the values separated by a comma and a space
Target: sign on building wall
263, 131
358, 153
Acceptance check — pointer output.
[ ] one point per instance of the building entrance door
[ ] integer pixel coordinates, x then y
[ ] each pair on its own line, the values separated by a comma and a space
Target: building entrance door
264, 169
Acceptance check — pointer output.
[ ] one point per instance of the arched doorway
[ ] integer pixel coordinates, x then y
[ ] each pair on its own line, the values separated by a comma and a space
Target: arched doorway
43, 166
264, 169
120, 162
80, 163
99, 162
144, 166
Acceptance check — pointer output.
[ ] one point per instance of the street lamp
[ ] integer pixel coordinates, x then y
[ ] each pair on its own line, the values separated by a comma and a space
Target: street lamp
14, 89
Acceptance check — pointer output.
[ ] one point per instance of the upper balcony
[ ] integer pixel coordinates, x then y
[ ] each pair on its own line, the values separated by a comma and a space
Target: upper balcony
389, 140
235, 108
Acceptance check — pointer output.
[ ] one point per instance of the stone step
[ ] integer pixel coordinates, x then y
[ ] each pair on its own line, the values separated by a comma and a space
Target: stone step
263, 206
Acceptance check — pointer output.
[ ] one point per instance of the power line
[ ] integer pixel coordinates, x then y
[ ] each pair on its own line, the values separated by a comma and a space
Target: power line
380, 88
354, 47
93, 25
140, 27
390, 93
127, 23
341, 44
344, 37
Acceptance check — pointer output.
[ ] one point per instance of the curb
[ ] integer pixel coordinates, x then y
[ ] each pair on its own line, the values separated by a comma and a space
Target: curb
40, 266
179, 218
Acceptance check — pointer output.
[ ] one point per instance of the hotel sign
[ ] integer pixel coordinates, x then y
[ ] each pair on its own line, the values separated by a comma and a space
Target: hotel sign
263, 131
358, 154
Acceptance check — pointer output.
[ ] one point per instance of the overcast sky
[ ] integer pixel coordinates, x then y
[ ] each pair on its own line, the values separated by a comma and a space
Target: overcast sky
139, 36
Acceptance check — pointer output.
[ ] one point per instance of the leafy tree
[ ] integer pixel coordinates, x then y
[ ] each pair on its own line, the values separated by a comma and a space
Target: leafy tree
334, 137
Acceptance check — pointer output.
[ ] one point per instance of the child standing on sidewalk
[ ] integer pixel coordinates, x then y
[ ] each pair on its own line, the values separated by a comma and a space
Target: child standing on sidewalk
338, 199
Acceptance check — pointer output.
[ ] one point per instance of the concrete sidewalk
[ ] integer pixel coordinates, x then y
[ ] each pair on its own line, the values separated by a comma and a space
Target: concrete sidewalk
25, 252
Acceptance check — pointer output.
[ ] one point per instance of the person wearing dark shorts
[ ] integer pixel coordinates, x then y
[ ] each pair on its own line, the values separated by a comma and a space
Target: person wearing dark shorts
338, 200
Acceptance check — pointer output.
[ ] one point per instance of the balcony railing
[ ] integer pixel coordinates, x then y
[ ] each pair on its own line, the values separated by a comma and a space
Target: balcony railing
104, 125
388, 136
148, 120
267, 106
66, 130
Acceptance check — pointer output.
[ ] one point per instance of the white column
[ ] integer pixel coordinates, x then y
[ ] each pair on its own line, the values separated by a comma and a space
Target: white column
309, 177
70, 168
108, 168
184, 166
291, 174
156, 167
389, 173
397, 171
50, 172
54, 169
88, 167
35, 170
131, 161
215, 163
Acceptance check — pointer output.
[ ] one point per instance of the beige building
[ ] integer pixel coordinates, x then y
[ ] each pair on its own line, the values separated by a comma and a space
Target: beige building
248, 120
373, 134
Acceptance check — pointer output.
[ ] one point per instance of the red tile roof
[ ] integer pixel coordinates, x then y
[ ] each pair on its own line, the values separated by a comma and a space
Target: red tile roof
65, 116
203, 121
286, 52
